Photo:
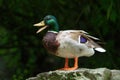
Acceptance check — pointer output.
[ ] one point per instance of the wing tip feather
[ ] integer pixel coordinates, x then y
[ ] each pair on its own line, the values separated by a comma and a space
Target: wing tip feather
100, 49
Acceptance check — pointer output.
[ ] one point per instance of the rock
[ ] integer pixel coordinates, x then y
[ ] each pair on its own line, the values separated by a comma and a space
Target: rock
115, 75
79, 74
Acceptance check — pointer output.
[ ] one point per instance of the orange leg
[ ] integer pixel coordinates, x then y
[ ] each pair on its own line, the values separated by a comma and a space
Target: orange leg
66, 67
66, 63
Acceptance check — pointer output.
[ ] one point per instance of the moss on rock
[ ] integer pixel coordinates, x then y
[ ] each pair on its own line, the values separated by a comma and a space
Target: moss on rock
79, 74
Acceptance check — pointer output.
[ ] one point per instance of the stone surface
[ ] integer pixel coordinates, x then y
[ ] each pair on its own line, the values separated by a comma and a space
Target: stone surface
79, 74
115, 75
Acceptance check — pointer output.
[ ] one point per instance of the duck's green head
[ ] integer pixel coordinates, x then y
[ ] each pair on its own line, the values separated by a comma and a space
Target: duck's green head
50, 22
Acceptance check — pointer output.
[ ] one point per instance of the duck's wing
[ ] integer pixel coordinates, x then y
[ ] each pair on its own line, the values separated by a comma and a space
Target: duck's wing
83, 38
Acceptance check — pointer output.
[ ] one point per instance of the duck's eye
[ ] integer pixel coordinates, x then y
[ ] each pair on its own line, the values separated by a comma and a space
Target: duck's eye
48, 18
83, 39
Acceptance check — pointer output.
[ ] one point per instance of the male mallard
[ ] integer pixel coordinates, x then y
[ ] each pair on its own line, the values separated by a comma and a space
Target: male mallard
67, 43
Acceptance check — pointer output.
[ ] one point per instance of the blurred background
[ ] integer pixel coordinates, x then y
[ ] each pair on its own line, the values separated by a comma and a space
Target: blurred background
22, 54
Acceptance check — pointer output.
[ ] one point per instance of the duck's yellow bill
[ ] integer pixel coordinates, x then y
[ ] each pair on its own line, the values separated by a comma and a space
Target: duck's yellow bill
39, 30
41, 24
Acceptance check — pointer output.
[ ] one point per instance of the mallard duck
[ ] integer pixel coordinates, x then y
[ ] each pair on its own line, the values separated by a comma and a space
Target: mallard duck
67, 43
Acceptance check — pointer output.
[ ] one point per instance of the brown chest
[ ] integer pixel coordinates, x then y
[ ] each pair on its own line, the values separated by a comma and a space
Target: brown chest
50, 42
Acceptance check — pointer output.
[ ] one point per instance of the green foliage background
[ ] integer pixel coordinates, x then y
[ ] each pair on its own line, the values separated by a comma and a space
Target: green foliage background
21, 51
